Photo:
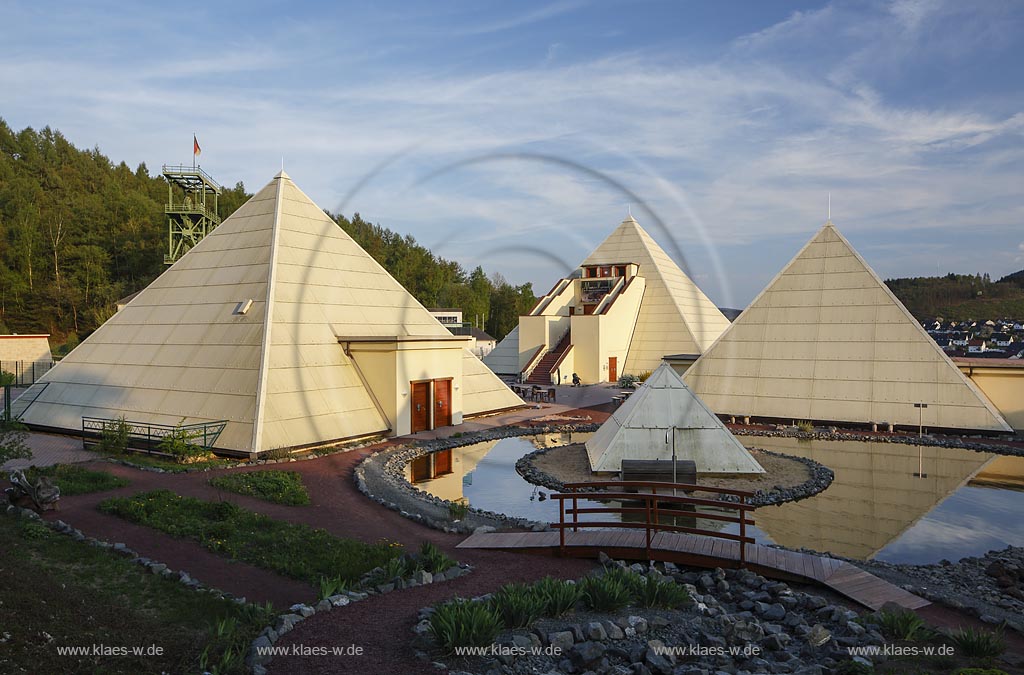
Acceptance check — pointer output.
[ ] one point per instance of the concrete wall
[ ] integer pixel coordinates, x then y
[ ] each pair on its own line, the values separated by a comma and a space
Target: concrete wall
543, 330
1004, 387
389, 369
597, 337
28, 349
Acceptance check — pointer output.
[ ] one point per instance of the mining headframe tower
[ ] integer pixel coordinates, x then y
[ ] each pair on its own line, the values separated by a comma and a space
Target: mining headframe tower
191, 208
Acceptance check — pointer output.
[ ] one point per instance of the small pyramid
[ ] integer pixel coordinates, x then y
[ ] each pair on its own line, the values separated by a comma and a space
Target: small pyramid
258, 325
827, 340
639, 427
675, 316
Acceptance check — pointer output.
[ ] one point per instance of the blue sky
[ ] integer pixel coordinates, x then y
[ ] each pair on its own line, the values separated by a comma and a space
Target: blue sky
517, 135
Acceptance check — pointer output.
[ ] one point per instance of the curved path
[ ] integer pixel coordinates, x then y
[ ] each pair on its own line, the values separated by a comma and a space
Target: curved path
381, 625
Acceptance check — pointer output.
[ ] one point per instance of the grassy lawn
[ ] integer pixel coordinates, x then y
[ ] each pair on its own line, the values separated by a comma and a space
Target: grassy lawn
74, 480
280, 487
60, 593
296, 551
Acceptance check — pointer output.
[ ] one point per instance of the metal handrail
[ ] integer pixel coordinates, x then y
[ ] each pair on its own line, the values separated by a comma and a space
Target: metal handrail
153, 433
192, 171
534, 362
198, 207
653, 510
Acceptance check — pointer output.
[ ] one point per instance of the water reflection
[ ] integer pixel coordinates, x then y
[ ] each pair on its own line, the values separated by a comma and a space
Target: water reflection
877, 507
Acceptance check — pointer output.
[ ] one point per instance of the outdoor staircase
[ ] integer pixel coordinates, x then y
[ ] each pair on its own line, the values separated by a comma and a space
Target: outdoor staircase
541, 374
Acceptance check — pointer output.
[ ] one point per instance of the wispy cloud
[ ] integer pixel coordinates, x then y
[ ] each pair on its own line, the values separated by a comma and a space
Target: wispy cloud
732, 148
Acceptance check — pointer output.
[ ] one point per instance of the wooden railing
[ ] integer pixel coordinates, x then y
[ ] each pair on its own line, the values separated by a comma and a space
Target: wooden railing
662, 499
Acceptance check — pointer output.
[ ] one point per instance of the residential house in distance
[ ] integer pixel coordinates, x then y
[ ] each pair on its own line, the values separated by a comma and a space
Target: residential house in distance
451, 318
976, 346
26, 357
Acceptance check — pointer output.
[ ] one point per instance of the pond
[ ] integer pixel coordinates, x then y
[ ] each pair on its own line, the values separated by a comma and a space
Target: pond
879, 506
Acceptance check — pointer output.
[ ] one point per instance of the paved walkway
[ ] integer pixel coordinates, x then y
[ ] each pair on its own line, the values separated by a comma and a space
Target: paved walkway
49, 449
573, 402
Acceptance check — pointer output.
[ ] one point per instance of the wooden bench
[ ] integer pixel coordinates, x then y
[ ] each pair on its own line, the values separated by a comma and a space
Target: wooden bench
658, 470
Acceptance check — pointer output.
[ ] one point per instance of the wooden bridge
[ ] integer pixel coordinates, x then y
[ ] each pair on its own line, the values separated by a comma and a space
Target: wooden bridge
660, 536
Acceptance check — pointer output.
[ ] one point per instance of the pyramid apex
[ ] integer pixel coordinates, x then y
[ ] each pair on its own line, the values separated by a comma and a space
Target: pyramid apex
282, 174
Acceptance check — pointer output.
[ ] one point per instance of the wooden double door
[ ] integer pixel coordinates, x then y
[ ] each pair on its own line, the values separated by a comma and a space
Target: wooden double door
431, 404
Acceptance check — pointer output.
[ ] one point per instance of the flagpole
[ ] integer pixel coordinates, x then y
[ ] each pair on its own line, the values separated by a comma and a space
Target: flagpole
193, 151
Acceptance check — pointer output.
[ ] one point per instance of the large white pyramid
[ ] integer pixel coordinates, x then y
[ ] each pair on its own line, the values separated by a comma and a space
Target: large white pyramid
828, 341
675, 316
249, 327
639, 428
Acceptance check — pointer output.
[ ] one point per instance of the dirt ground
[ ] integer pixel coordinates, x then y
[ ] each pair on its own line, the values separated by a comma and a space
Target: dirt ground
569, 464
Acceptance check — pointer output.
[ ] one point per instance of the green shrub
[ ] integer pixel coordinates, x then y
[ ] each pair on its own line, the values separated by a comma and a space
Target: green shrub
332, 586
280, 487
179, 445
74, 480
458, 510
559, 596
642, 377
903, 625
978, 643
627, 381
434, 559
7, 378
518, 605
606, 593
114, 436
805, 426
650, 591
461, 623
31, 529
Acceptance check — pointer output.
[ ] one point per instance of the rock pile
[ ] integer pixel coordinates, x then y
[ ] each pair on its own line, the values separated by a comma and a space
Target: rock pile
991, 586
739, 623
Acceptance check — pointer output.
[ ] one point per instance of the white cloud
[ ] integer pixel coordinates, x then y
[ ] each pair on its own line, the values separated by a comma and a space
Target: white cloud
728, 151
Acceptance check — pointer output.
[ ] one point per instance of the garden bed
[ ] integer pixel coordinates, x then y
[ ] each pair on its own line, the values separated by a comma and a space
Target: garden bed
279, 487
292, 550
75, 480
59, 593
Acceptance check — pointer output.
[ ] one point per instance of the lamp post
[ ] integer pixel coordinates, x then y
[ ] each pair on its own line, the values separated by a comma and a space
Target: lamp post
920, 418
670, 437
920, 434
